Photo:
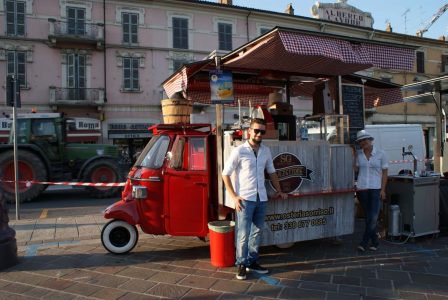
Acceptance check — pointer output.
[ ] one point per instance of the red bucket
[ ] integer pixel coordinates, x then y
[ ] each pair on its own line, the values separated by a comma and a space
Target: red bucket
222, 243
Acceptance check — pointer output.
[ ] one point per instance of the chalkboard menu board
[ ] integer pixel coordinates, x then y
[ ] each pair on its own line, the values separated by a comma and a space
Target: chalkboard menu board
353, 105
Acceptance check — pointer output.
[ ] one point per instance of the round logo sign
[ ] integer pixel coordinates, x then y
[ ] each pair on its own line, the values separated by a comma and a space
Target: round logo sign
290, 172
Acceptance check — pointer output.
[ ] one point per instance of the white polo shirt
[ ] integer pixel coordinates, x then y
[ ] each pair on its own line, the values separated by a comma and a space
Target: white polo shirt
370, 171
249, 170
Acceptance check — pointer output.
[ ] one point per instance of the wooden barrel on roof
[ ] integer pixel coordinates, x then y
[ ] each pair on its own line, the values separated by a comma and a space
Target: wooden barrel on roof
176, 111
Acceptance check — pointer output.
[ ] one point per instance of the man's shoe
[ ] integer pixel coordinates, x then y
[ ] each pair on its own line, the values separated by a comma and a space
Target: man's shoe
257, 268
361, 248
241, 274
373, 248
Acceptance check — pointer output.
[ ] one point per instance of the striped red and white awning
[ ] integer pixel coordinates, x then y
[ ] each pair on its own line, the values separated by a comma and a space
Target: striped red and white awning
178, 82
288, 51
245, 93
299, 52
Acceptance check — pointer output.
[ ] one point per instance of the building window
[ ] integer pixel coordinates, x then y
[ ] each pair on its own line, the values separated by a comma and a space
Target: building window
16, 65
130, 73
444, 63
420, 62
15, 17
180, 33
76, 76
225, 36
264, 30
76, 20
177, 63
130, 27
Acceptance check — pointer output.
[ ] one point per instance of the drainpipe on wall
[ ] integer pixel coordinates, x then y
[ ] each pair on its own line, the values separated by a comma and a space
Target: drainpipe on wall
104, 51
247, 25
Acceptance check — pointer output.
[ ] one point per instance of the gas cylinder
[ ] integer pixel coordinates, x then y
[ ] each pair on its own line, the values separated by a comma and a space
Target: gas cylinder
394, 221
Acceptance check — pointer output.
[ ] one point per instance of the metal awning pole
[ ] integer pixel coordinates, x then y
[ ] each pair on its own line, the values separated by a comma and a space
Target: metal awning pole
340, 110
219, 150
438, 150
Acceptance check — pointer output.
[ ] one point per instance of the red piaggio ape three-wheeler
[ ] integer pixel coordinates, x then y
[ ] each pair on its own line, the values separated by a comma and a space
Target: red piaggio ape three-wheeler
171, 189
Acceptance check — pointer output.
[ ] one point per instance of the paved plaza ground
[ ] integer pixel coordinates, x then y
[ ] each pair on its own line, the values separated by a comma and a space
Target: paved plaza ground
63, 259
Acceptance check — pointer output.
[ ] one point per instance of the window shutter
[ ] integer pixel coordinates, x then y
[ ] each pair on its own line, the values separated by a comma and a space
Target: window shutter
80, 21
176, 33
127, 73
229, 36
185, 33
125, 25
71, 20
11, 63
21, 73
15, 17
221, 36
82, 71
135, 63
420, 62
10, 25
180, 33
134, 28
130, 28
130, 73
444, 63
20, 18
10, 16
225, 36
71, 70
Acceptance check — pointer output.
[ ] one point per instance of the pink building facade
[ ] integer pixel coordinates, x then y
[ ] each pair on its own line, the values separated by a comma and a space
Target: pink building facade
102, 62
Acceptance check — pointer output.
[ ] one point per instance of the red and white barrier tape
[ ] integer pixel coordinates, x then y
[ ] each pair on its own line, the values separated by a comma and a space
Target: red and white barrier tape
28, 183
406, 161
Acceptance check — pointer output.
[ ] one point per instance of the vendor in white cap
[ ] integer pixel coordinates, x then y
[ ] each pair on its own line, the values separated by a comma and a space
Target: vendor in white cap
371, 164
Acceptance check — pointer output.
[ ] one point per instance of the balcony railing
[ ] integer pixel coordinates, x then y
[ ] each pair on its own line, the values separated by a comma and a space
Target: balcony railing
81, 31
76, 96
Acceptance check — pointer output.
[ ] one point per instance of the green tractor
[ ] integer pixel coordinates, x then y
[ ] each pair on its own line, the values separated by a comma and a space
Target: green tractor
45, 155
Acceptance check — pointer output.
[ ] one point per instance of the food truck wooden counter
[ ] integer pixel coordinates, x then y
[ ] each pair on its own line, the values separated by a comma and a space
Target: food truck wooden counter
319, 179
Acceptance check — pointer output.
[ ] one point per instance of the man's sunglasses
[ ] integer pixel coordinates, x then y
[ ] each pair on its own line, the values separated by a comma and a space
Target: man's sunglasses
257, 131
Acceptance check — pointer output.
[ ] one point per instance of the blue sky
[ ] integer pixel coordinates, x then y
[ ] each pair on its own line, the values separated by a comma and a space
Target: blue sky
420, 11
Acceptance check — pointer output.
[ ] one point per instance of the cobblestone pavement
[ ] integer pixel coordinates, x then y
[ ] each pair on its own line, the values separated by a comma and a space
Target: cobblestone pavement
64, 259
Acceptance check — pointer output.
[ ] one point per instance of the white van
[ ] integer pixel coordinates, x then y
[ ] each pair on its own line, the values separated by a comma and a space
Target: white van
393, 138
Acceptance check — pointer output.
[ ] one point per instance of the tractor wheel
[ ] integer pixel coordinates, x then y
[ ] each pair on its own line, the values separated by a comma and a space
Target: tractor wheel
102, 171
119, 237
31, 167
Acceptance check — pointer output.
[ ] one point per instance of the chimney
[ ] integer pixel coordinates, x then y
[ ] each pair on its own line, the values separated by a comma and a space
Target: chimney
442, 38
289, 9
227, 2
388, 27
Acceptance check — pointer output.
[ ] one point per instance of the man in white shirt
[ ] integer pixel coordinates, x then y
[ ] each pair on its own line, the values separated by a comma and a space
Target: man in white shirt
371, 164
249, 161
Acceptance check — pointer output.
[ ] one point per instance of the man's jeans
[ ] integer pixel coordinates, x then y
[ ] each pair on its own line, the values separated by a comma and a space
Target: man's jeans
250, 222
371, 204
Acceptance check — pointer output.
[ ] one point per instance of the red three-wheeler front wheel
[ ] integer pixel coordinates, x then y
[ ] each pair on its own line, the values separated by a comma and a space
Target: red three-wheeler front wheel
119, 237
